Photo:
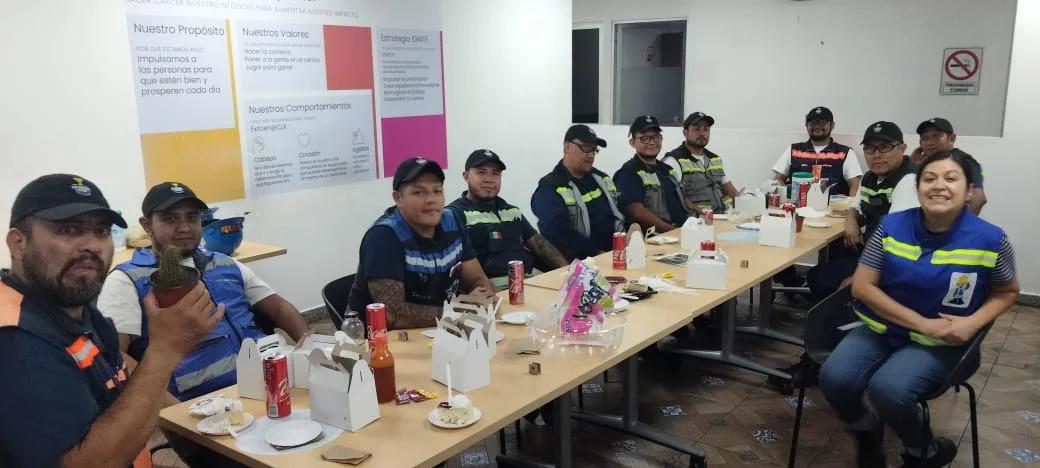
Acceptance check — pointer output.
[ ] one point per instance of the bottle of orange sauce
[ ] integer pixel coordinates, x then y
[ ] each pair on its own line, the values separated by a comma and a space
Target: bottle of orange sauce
381, 362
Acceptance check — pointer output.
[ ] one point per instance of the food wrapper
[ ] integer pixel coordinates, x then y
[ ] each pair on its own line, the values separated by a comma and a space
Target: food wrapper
583, 298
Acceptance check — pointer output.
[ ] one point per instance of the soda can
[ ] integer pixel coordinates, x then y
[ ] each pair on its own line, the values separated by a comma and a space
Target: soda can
803, 195
707, 249
375, 319
620, 258
516, 281
276, 382
774, 200
708, 216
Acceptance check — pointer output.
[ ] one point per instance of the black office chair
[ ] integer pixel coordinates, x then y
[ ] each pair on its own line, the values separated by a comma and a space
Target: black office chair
821, 337
335, 295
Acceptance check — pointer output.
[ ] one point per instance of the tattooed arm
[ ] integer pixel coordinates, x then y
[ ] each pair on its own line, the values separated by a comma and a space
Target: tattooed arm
399, 312
475, 280
545, 252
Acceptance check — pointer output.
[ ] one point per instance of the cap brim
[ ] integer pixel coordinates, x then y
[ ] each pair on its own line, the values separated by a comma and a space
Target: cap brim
420, 170
167, 204
501, 165
926, 125
884, 138
706, 118
63, 212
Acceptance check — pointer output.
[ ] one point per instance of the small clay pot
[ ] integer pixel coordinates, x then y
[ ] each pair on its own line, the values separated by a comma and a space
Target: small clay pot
167, 297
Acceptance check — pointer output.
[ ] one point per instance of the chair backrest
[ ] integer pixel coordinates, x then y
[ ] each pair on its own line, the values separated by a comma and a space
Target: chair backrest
960, 372
335, 295
822, 334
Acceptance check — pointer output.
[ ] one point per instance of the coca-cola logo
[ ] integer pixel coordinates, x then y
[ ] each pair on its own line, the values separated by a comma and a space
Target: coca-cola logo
283, 388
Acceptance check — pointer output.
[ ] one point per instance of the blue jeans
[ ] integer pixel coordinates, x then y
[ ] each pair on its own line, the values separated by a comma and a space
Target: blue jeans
894, 378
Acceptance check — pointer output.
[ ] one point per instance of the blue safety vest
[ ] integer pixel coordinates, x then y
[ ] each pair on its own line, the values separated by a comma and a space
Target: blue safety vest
947, 273
211, 366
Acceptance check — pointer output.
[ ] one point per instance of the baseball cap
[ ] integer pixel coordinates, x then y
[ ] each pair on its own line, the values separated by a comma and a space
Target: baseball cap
161, 197
412, 168
56, 197
819, 113
483, 156
697, 117
937, 123
644, 123
882, 130
584, 134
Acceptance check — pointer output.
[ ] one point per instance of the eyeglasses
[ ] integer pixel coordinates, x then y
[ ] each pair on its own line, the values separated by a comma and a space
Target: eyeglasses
647, 139
585, 147
879, 149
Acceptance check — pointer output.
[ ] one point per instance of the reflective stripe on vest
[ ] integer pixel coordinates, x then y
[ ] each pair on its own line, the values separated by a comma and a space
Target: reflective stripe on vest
576, 204
970, 257
212, 371
880, 328
649, 179
83, 352
866, 193
474, 217
899, 249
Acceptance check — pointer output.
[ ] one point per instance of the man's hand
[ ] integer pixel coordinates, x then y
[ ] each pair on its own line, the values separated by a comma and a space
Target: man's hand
176, 330
484, 292
853, 236
961, 329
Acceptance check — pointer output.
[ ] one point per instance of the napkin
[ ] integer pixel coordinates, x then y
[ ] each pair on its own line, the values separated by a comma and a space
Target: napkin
345, 455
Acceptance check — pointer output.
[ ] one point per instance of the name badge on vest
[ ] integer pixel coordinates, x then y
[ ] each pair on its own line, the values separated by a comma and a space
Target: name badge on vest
962, 286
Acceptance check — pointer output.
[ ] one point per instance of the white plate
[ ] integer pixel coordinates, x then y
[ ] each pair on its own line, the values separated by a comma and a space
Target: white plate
499, 336
216, 425
662, 240
749, 226
434, 417
518, 318
720, 216
293, 433
621, 305
817, 224
208, 406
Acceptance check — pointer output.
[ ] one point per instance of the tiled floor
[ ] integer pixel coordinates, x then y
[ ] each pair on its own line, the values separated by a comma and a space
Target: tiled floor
739, 420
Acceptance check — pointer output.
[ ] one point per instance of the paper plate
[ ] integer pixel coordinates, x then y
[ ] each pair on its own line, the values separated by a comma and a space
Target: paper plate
434, 417
720, 216
217, 425
499, 336
748, 226
817, 224
518, 318
662, 240
208, 406
293, 433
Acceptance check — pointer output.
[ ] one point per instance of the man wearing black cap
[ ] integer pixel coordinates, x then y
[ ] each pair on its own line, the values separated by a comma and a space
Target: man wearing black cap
499, 231
416, 256
576, 204
702, 178
66, 397
839, 164
888, 187
648, 193
937, 135
172, 217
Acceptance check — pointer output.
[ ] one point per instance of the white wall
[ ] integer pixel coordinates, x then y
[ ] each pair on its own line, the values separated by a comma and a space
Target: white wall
867, 61
69, 107
1009, 162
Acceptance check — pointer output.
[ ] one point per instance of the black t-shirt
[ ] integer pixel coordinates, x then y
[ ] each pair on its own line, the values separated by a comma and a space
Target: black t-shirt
382, 256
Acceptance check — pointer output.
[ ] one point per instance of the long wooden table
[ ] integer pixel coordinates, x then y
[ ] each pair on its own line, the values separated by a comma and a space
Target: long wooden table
247, 252
401, 436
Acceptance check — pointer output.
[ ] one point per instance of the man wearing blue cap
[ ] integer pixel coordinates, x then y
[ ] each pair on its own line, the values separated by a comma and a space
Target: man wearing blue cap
416, 256
67, 400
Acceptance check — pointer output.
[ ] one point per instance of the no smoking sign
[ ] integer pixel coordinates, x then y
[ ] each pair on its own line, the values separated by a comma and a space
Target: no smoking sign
961, 68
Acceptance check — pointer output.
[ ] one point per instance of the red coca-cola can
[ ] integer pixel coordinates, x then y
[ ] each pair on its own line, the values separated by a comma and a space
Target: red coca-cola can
708, 216
708, 249
773, 200
375, 320
788, 207
276, 381
803, 195
620, 249
516, 281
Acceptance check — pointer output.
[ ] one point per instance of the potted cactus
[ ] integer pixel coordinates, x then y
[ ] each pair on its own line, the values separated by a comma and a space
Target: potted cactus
172, 280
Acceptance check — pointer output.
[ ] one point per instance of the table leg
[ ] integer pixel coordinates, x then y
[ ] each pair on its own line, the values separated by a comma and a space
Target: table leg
725, 354
629, 423
765, 318
561, 406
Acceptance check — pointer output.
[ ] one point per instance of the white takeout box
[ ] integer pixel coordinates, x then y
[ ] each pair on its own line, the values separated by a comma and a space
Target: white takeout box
694, 231
706, 273
635, 254
818, 197
470, 359
250, 366
342, 387
476, 314
301, 353
752, 203
777, 229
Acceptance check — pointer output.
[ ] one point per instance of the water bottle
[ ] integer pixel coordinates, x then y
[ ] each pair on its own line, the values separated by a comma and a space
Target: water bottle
353, 327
